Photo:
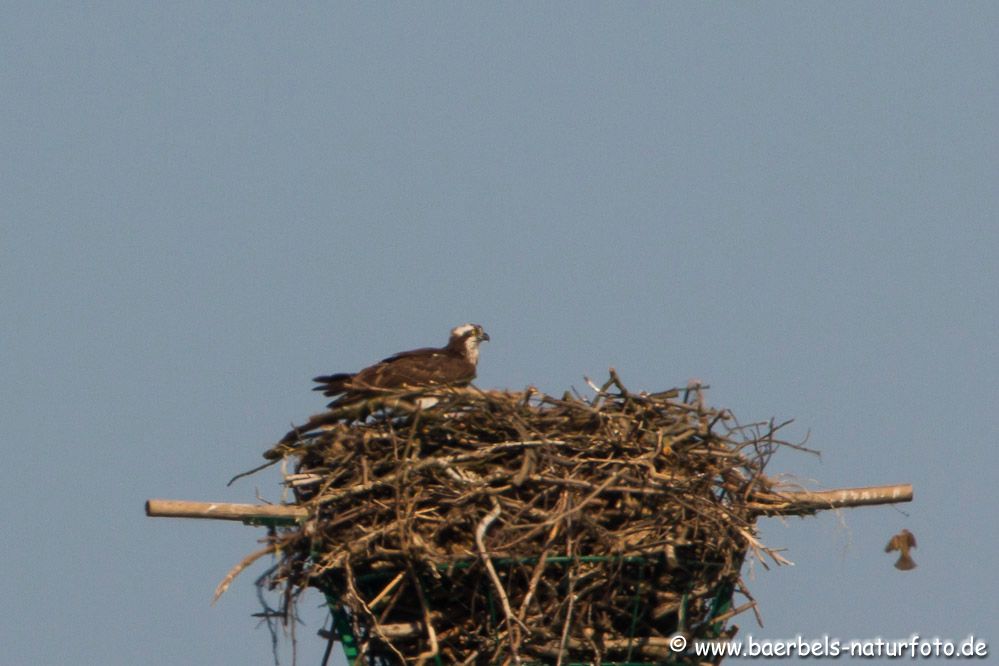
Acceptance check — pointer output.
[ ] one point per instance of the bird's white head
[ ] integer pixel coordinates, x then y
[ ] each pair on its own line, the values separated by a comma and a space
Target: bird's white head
468, 337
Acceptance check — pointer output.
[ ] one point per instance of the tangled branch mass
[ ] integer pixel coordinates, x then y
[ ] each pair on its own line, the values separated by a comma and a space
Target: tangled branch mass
517, 527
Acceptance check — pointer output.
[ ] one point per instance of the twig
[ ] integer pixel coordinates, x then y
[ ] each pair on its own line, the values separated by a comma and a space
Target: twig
571, 594
236, 570
511, 624
431, 632
253, 471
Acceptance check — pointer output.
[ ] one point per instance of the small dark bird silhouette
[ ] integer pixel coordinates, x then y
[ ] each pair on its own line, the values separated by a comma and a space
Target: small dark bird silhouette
902, 542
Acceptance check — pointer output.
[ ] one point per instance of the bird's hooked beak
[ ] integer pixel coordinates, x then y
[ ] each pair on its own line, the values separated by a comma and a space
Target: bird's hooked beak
483, 336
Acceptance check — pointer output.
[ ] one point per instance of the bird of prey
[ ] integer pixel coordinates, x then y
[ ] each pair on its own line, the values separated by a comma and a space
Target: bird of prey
903, 542
453, 365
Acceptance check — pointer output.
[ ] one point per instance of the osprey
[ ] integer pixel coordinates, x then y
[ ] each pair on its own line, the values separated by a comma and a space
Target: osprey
453, 365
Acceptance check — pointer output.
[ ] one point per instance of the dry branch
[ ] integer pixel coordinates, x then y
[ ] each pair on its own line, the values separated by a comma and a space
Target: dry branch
161, 508
799, 501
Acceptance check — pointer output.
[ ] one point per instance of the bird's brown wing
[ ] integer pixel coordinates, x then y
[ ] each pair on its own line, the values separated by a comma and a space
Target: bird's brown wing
422, 351
901, 541
416, 368
371, 377
419, 367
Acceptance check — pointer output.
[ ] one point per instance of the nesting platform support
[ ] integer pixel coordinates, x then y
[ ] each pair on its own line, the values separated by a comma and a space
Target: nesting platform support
498, 526
164, 508
778, 504
798, 502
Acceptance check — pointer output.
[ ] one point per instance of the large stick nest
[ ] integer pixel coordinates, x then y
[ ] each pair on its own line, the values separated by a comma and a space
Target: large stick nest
516, 527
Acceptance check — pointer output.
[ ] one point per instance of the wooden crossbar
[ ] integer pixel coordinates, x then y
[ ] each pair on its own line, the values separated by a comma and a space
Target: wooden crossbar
784, 503
163, 508
803, 501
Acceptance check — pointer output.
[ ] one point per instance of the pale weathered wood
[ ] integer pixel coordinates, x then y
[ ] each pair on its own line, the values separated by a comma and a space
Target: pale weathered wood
785, 503
221, 510
800, 501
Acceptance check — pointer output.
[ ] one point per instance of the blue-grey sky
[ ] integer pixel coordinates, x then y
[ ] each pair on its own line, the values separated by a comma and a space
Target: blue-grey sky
206, 204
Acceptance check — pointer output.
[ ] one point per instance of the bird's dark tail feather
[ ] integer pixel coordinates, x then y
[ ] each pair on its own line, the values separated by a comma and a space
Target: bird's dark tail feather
332, 385
905, 563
